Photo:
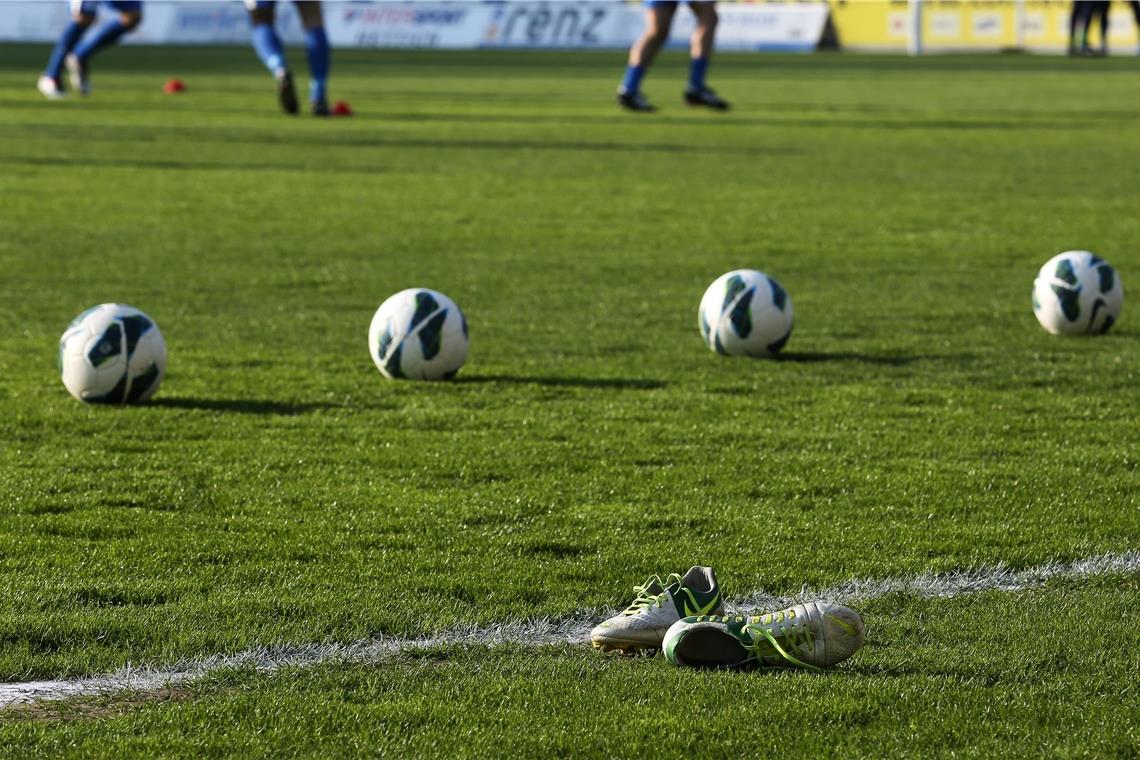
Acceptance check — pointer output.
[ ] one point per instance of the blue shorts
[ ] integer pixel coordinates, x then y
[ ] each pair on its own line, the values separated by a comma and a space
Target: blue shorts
91, 7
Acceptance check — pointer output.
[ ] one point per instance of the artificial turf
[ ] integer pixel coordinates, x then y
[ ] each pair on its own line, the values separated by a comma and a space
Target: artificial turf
278, 490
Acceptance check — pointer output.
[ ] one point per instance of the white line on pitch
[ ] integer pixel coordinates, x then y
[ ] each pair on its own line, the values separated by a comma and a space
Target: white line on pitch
570, 630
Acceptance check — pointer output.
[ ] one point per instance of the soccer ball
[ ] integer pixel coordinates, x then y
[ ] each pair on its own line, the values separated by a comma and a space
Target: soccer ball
418, 334
745, 313
112, 354
1077, 293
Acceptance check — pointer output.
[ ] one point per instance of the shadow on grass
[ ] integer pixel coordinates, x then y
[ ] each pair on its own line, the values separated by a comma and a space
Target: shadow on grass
816, 357
613, 383
759, 118
239, 406
144, 163
207, 134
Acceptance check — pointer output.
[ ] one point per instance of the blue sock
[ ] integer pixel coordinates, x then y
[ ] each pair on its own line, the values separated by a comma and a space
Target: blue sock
105, 35
631, 82
697, 69
67, 42
317, 48
268, 47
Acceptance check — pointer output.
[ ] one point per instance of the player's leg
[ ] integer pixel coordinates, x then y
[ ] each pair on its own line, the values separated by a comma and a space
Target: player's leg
266, 43
1074, 25
658, 20
697, 93
317, 50
269, 49
1135, 5
1103, 11
1082, 13
129, 16
82, 16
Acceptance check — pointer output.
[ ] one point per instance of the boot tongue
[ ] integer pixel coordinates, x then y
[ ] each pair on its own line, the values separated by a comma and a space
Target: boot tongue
653, 589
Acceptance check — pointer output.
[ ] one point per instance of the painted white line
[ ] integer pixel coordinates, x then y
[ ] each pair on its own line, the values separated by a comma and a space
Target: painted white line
571, 630
955, 583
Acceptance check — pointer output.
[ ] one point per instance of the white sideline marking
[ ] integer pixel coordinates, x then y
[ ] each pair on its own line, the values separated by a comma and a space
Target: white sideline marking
955, 582
572, 630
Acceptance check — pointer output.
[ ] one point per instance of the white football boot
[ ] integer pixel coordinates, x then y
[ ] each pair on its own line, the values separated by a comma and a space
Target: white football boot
642, 625
77, 74
50, 88
815, 635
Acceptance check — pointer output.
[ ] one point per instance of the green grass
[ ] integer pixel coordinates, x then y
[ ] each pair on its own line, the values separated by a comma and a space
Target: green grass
956, 687
278, 490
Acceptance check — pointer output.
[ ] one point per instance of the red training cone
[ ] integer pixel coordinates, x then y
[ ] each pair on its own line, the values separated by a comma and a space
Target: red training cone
173, 86
341, 108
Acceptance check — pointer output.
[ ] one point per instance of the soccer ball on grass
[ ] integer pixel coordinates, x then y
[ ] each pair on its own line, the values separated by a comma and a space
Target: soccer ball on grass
418, 334
745, 313
112, 354
1077, 293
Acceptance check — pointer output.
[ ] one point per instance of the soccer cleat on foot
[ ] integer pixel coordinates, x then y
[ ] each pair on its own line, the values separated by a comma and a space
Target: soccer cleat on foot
811, 636
320, 108
77, 74
287, 93
634, 101
50, 88
706, 97
642, 625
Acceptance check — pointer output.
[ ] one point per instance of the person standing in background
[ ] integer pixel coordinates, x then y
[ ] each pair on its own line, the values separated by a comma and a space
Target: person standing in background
1081, 20
271, 51
658, 20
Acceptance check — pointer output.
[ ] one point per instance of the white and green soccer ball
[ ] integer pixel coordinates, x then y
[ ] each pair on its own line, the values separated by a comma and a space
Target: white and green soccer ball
112, 354
418, 334
745, 313
1077, 293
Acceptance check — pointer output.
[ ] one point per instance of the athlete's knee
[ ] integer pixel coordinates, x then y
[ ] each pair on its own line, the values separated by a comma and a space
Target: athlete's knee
658, 21
656, 35
84, 19
261, 15
708, 17
130, 19
310, 13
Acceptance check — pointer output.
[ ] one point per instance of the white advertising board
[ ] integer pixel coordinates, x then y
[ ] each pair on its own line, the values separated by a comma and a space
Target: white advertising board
792, 27
407, 25
494, 24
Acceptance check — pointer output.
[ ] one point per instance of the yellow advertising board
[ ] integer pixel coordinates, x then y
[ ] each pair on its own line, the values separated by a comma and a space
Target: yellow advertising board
870, 24
965, 25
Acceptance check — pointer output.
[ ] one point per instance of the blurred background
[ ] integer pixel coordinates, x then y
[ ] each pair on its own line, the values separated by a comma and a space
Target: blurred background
915, 26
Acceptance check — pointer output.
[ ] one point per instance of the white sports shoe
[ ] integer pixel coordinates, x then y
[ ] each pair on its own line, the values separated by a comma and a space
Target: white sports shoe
77, 74
642, 625
50, 88
813, 636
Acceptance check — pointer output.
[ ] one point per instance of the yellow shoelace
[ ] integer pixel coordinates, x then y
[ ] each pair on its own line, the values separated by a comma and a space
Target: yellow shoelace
645, 599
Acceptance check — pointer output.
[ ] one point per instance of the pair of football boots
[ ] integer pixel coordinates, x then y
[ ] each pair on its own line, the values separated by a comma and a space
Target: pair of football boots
684, 616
